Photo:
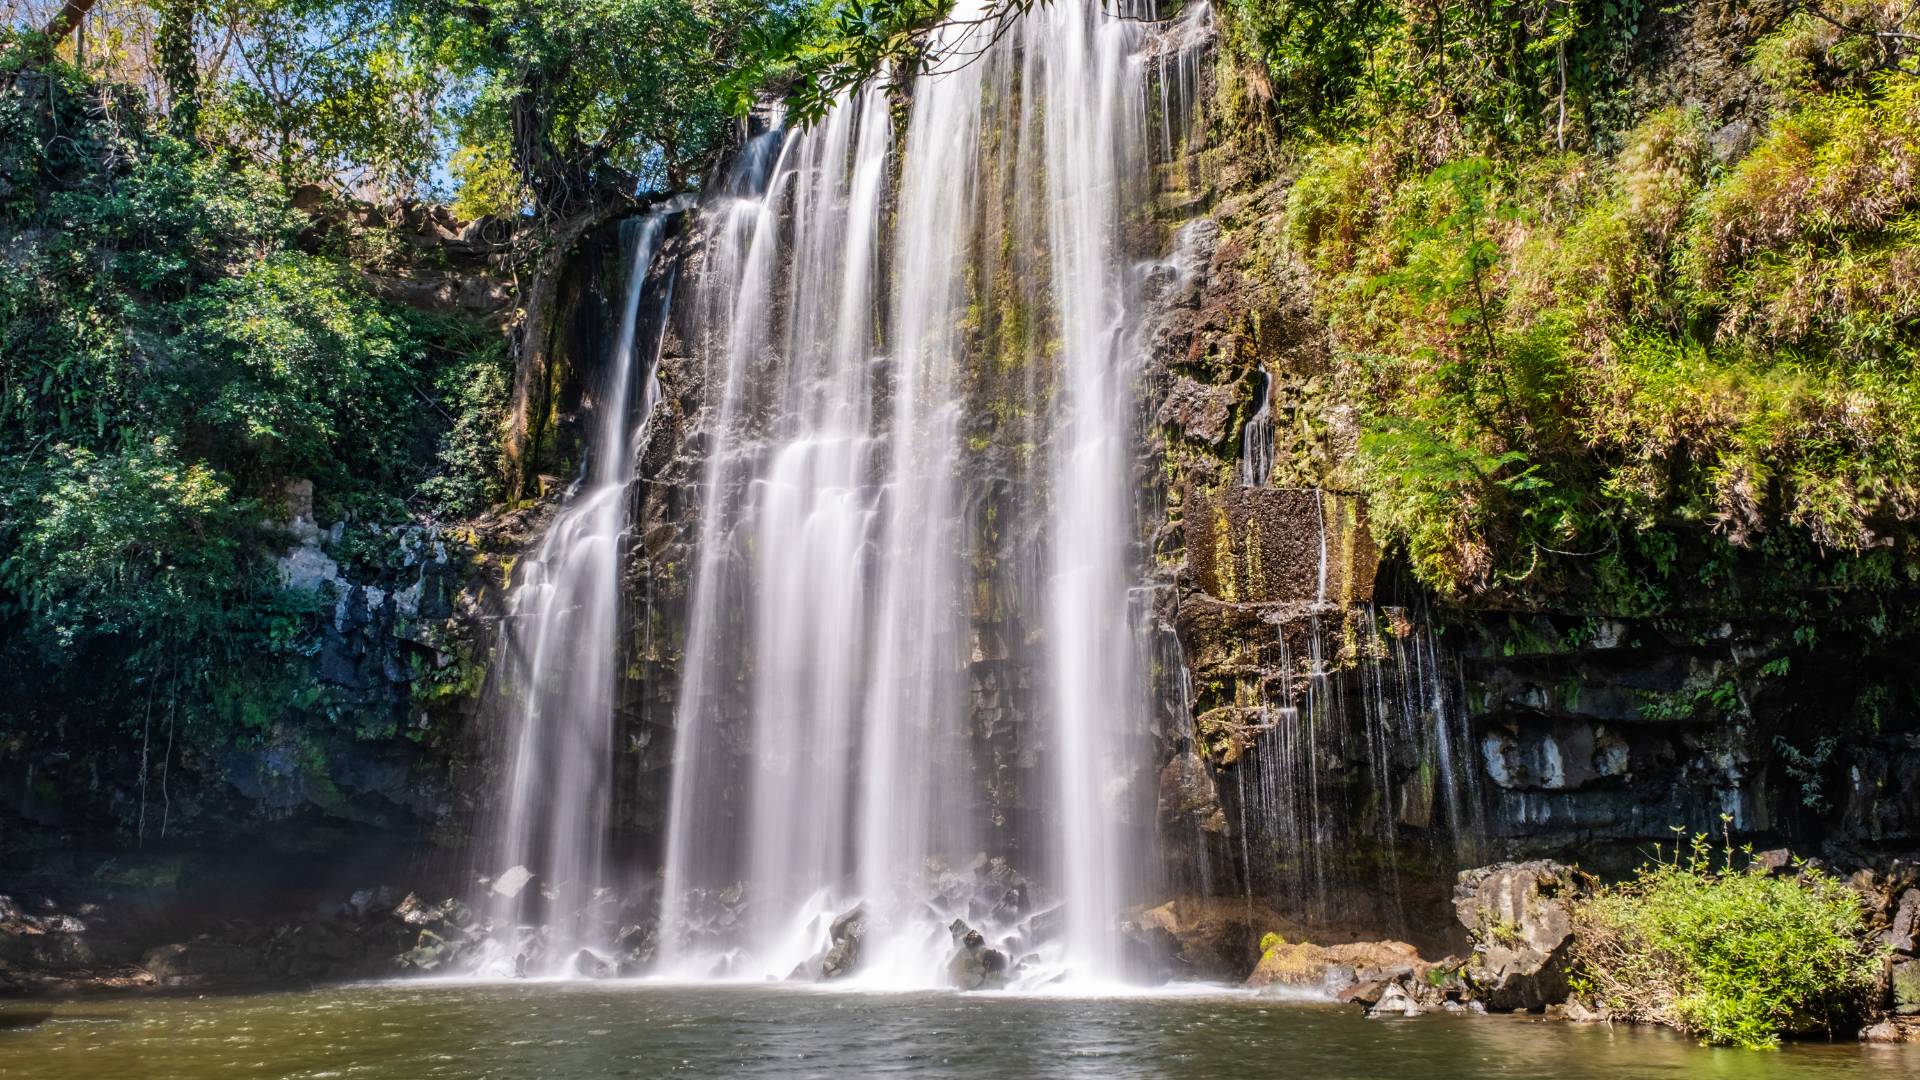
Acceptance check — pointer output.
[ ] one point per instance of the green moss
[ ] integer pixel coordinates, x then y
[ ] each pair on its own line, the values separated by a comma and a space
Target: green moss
1603, 374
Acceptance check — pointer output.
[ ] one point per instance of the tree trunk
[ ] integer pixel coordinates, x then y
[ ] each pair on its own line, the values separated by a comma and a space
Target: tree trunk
179, 67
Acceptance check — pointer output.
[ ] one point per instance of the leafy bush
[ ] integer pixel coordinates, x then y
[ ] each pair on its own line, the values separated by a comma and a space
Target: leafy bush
1471, 72
286, 370
476, 391
1735, 957
132, 544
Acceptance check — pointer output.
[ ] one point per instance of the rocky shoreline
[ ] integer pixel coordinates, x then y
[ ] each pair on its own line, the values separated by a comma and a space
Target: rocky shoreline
1519, 922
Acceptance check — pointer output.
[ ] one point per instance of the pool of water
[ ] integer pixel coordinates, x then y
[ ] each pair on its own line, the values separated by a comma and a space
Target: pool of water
576, 1031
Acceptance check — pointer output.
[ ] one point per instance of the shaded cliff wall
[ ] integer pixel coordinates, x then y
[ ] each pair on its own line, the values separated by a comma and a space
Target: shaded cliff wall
1354, 739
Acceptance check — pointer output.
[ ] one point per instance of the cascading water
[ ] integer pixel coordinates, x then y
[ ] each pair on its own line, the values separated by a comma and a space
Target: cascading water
823, 756
1091, 74
1256, 440
1362, 693
558, 685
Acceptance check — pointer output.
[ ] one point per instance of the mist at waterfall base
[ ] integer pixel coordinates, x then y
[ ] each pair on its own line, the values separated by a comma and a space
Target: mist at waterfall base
833, 284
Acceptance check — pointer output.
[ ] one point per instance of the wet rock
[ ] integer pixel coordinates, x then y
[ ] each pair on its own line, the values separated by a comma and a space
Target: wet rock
511, 881
1336, 970
972, 965
1150, 954
53, 939
193, 962
1199, 411
1216, 937
1891, 1031
637, 944
1367, 993
413, 911
1520, 917
1260, 545
712, 917
841, 957
1556, 757
1579, 1012
846, 933
1188, 794
1045, 926
587, 964
1903, 930
1904, 986
367, 903
1396, 1000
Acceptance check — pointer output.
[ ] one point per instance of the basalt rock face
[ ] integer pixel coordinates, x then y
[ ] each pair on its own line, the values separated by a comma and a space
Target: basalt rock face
1318, 754
1347, 742
1598, 735
372, 735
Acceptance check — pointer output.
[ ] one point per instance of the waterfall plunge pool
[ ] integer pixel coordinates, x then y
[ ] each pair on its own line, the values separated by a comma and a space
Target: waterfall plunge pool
585, 1031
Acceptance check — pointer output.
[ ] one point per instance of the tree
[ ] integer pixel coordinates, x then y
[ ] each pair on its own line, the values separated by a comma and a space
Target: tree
179, 68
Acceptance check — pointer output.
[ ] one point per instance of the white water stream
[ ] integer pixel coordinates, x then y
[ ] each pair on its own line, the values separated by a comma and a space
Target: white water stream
826, 752
560, 640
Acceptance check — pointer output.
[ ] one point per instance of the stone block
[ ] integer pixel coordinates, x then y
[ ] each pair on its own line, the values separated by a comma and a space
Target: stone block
1279, 545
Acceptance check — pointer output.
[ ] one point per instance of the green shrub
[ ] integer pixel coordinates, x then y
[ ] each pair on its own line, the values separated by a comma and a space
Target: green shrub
1481, 70
1601, 373
136, 544
288, 370
1734, 957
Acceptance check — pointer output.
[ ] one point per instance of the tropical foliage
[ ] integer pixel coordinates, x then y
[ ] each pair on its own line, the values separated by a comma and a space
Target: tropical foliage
1604, 347
1733, 955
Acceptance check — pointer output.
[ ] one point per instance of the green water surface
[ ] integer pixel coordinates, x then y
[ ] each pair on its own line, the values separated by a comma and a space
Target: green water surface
577, 1031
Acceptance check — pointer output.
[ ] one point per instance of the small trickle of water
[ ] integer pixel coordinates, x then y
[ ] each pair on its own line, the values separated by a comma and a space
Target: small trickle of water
1368, 699
1256, 448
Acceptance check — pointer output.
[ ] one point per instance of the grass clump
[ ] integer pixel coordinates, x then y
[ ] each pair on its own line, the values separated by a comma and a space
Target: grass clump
1733, 957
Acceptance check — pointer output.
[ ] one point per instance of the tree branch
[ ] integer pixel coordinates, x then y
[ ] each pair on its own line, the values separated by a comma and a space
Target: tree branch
67, 20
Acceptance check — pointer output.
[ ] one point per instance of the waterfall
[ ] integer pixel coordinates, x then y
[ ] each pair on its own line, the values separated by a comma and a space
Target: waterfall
1367, 697
558, 685
1091, 75
894, 322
